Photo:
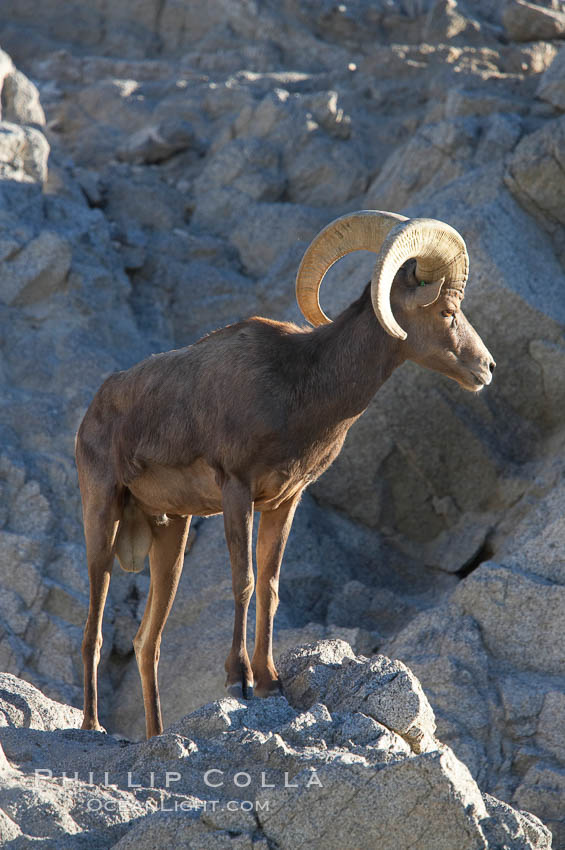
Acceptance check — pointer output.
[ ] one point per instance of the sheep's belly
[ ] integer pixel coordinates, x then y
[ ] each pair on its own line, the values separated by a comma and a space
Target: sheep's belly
178, 491
195, 490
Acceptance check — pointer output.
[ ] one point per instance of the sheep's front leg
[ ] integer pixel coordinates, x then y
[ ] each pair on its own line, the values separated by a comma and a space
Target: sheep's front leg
238, 524
274, 529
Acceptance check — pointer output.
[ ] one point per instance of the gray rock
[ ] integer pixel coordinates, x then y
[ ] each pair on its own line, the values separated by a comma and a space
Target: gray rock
233, 781
445, 648
510, 828
6, 65
157, 143
535, 170
542, 788
551, 86
388, 692
23, 706
137, 202
550, 357
184, 832
306, 673
377, 687
268, 229
324, 173
549, 732
455, 548
23, 153
525, 609
538, 532
525, 21
427, 777
20, 100
423, 165
451, 21
24, 591
247, 166
36, 272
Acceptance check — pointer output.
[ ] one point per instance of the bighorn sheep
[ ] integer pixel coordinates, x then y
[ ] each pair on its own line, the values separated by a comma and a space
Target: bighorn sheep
245, 419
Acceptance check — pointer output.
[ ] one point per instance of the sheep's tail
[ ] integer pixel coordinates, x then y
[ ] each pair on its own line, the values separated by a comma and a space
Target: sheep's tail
134, 537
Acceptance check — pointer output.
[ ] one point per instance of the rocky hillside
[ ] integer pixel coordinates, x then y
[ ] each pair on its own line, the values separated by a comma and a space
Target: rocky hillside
163, 166
349, 761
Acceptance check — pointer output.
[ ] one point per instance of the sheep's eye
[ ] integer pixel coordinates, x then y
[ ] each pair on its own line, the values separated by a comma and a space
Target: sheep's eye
448, 313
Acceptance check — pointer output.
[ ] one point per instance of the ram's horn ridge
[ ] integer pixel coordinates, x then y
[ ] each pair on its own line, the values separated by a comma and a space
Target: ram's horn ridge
439, 251
365, 230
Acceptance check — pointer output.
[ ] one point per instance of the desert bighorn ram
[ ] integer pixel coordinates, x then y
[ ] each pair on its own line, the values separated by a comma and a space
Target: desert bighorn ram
245, 419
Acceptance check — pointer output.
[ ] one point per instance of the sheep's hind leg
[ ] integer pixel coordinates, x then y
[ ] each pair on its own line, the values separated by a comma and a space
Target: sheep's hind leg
166, 558
274, 528
238, 524
101, 513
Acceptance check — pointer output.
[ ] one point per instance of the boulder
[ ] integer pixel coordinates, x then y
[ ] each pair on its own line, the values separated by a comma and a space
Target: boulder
492, 694
325, 173
23, 153
277, 225
371, 685
525, 21
23, 706
526, 609
245, 165
542, 788
37, 271
535, 172
20, 100
228, 774
551, 87
534, 546
451, 21
157, 143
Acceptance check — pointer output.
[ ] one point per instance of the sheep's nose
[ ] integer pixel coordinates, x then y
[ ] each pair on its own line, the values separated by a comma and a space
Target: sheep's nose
492, 366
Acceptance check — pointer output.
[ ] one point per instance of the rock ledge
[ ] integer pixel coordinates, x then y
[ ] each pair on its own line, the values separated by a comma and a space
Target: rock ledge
350, 760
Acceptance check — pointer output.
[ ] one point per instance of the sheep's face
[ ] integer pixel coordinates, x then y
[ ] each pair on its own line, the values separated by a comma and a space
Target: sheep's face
439, 336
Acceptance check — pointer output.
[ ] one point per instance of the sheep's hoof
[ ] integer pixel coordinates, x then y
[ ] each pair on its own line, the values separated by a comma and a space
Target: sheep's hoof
240, 690
93, 727
274, 689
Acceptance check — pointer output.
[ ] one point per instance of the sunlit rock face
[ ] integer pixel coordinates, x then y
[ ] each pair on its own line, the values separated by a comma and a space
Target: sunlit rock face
163, 167
354, 742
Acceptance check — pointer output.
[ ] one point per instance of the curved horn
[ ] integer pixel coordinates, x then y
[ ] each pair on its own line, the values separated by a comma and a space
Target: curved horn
359, 231
439, 251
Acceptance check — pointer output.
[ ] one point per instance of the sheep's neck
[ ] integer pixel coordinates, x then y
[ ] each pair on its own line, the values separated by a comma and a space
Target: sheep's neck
352, 357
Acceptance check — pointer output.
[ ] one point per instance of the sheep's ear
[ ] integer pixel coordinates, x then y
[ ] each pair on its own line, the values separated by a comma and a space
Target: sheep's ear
424, 294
